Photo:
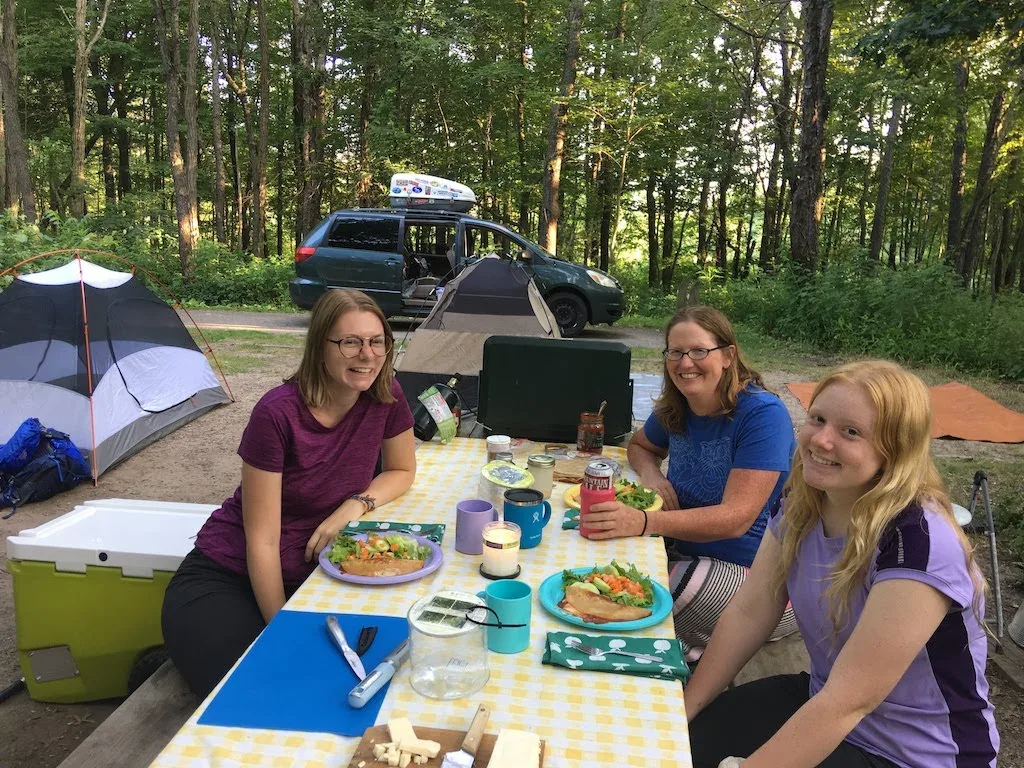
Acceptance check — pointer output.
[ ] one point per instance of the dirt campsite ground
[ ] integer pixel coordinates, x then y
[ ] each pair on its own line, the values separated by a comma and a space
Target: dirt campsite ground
198, 464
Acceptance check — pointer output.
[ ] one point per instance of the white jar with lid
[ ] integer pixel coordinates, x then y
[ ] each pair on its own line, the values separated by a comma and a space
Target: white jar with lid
448, 651
497, 444
542, 467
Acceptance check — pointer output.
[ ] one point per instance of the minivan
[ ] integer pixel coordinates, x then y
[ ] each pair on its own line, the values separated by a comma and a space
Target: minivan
404, 257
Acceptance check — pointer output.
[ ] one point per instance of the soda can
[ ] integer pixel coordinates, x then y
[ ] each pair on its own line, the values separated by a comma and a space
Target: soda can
598, 476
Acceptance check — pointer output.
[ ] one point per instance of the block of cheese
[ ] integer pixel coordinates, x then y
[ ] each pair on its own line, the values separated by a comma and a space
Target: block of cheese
400, 729
424, 747
515, 749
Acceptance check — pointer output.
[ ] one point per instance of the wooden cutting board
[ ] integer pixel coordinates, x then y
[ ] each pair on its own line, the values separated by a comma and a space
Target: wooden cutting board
450, 741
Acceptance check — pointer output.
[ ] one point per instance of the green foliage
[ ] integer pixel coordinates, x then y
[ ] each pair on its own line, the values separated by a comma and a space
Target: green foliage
914, 314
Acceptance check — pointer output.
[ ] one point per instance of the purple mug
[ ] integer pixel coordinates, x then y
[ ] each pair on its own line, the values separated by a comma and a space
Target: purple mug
471, 515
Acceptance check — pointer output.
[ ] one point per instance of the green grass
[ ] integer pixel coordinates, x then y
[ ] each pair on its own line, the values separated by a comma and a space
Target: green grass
245, 351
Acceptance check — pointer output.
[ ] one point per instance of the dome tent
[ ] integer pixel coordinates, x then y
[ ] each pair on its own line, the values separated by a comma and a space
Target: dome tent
94, 353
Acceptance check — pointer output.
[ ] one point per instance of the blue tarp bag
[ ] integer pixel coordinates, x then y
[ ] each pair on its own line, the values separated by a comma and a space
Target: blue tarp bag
53, 465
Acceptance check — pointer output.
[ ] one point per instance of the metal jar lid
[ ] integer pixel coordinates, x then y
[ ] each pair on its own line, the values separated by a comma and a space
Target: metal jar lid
540, 460
444, 613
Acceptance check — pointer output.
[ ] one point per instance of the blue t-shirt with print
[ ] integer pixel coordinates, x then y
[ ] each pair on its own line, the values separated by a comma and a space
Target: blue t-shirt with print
757, 434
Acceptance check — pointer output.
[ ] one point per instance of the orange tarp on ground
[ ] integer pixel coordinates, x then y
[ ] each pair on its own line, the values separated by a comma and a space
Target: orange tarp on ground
957, 411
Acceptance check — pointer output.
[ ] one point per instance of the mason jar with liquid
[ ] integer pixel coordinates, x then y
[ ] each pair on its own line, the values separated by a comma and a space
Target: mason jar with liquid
542, 467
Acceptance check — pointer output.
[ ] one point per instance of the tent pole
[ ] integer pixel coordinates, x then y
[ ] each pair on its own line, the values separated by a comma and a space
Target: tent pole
88, 366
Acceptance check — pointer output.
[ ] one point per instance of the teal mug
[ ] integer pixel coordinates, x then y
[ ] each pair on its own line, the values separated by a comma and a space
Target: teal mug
508, 603
527, 508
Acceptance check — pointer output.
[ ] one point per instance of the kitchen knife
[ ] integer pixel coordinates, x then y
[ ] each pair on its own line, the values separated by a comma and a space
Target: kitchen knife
378, 676
339, 639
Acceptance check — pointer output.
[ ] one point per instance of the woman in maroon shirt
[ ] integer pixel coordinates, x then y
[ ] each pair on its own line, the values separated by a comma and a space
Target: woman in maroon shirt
308, 455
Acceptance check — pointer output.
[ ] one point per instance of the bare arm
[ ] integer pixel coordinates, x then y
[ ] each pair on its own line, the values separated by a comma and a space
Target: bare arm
261, 520
899, 617
396, 477
746, 493
743, 628
646, 458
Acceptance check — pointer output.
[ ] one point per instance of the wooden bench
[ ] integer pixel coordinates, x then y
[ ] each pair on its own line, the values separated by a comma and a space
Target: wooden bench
141, 727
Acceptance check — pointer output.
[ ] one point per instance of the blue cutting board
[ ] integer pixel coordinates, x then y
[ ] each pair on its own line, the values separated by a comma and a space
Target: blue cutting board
295, 679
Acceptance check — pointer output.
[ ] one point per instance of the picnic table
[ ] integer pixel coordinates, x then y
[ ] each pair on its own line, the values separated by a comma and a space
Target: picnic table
585, 718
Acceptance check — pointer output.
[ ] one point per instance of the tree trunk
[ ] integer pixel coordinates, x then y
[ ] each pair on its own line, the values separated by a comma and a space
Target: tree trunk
258, 150
364, 184
124, 142
957, 162
668, 207
191, 119
83, 47
807, 188
168, 25
101, 93
884, 180
557, 122
220, 203
652, 230
781, 120
520, 119
309, 61
17, 181
702, 223
606, 182
972, 239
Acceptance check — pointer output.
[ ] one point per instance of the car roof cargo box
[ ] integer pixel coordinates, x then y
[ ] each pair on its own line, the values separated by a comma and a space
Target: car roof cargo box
416, 190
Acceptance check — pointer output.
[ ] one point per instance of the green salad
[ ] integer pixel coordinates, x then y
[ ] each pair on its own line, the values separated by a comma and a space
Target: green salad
623, 584
373, 547
634, 495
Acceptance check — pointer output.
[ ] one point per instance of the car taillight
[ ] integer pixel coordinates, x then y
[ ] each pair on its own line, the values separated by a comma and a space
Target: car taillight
303, 253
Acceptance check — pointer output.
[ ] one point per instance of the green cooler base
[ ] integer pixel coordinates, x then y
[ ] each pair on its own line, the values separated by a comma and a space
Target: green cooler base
80, 634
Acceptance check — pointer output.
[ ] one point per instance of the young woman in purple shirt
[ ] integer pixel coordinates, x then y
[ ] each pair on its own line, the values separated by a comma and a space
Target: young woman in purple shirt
887, 596
308, 458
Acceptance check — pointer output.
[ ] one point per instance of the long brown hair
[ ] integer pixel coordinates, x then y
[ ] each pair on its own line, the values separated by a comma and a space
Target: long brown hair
671, 406
903, 426
312, 376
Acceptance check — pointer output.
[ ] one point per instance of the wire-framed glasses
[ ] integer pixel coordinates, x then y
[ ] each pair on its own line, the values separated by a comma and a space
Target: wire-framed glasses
351, 346
697, 353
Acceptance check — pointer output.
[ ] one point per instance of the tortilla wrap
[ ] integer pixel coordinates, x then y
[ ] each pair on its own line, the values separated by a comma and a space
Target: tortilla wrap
382, 566
598, 609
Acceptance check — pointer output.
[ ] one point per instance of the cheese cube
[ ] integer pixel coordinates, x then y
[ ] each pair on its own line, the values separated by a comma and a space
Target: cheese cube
401, 730
393, 757
403, 761
423, 747
515, 749
419, 760
379, 750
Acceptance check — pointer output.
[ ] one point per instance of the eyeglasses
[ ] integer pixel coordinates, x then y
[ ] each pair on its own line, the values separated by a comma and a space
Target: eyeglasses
351, 346
697, 353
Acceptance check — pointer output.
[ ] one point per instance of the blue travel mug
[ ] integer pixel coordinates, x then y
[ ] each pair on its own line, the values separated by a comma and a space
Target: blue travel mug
527, 508
508, 625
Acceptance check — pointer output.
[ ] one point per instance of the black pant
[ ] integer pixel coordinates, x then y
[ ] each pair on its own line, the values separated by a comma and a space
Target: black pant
739, 721
210, 616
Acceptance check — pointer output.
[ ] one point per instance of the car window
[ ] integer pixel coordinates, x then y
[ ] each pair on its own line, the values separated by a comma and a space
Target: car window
484, 241
429, 238
364, 234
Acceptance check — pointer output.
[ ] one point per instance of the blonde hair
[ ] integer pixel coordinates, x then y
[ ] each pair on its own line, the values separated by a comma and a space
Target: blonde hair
671, 406
903, 425
312, 377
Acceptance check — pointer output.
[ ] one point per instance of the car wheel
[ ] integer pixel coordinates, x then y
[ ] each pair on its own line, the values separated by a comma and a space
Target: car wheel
148, 663
570, 313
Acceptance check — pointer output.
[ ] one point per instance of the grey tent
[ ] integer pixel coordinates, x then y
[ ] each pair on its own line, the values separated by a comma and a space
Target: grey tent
491, 297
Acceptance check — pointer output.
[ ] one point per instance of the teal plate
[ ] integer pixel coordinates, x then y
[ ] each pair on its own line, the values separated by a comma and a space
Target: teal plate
551, 594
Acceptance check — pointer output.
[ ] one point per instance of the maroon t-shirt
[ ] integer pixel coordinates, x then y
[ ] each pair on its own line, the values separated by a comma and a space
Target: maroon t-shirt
320, 468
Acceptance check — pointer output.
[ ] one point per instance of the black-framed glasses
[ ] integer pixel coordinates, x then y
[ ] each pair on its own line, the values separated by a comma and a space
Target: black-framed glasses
697, 353
351, 346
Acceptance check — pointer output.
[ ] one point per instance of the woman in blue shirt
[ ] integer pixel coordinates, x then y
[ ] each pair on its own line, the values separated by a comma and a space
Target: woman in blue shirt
729, 443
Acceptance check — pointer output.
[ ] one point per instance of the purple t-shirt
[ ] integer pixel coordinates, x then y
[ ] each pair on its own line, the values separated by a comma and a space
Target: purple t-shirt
938, 714
320, 468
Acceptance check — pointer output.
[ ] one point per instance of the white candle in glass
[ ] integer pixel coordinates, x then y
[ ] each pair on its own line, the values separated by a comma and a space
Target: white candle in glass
501, 548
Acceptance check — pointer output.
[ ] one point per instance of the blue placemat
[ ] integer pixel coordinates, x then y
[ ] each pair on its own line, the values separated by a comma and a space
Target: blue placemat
295, 679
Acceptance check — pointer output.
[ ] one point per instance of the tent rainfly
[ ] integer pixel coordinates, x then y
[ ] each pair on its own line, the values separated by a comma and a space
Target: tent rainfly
94, 353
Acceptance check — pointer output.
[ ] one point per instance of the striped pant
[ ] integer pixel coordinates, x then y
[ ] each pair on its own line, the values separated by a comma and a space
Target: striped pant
701, 589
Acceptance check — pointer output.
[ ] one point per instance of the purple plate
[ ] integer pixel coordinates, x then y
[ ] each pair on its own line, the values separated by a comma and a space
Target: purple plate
433, 563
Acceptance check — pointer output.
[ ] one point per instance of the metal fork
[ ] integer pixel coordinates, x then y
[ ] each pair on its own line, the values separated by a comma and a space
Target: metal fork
592, 651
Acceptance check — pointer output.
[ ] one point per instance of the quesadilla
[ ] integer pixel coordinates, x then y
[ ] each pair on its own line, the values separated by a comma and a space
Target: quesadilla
378, 556
608, 594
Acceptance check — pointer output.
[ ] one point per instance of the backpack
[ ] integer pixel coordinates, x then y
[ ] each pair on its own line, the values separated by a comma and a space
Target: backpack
37, 463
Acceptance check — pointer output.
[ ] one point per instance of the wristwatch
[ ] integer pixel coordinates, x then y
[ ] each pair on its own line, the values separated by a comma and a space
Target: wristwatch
368, 501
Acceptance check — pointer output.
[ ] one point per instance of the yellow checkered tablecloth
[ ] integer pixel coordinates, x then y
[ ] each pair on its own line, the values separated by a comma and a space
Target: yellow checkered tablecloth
586, 718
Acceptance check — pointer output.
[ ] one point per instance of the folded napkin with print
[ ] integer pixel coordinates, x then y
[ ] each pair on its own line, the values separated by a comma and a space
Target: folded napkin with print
432, 531
560, 651
571, 519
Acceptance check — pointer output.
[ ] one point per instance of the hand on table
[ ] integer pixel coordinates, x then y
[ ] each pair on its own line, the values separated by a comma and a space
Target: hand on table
613, 520
328, 529
731, 762
661, 486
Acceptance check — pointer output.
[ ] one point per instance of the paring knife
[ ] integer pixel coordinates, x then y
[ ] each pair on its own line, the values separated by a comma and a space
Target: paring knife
339, 639
379, 675
467, 754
